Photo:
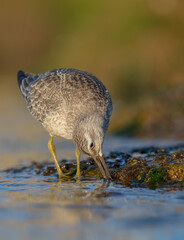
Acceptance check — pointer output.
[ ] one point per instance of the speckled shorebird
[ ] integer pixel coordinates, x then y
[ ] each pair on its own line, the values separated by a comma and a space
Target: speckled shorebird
72, 104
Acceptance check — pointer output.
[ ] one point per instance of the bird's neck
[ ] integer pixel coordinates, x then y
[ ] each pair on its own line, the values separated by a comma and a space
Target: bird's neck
88, 123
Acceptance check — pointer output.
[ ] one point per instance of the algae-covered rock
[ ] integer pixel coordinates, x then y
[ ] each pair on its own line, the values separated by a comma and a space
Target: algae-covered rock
156, 168
145, 167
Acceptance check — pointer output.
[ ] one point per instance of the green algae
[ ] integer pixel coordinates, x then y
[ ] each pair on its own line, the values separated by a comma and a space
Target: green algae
156, 177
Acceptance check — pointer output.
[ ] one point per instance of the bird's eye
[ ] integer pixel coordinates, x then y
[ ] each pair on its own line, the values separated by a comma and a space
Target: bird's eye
92, 145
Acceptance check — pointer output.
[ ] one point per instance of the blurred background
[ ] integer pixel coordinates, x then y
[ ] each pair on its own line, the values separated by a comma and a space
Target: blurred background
135, 47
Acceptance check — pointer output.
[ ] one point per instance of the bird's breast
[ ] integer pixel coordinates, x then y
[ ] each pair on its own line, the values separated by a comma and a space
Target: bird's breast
59, 126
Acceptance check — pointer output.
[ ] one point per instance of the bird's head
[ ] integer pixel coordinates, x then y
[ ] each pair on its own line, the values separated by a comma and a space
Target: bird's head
88, 138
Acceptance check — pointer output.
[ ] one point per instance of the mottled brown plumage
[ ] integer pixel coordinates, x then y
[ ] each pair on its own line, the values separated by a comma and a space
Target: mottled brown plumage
69, 103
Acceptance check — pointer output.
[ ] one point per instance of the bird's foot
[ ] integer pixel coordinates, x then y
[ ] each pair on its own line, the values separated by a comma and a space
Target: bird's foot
69, 174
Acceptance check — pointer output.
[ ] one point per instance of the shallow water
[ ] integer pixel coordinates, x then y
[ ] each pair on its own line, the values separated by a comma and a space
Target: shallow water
40, 207
35, 207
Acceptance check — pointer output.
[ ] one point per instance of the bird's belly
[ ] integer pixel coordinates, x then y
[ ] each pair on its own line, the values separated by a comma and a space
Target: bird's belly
58, 127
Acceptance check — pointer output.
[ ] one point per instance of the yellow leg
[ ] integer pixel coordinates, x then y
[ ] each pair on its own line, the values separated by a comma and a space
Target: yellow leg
53, 153
77, 153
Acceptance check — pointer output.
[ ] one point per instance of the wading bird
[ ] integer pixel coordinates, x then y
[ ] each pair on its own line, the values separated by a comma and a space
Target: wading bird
72, 104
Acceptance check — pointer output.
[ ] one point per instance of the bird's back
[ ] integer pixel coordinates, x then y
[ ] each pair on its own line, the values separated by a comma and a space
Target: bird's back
58, 97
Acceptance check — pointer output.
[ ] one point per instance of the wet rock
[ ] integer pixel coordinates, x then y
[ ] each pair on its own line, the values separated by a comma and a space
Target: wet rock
16, 170
145, 167
163, 168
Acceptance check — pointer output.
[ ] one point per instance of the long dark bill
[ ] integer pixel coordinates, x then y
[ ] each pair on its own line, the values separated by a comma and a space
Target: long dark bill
102, 166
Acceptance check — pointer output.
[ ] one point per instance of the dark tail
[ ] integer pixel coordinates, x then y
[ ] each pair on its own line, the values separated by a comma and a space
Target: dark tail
20, 76
25, 81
